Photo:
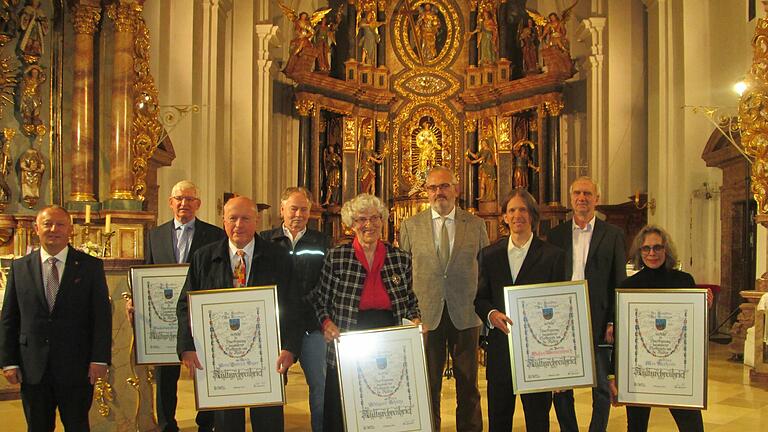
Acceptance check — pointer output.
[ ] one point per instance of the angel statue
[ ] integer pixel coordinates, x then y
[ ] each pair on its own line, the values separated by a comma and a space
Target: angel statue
325, 38
303, 31
368, 32
521, 150
553, 27
485, 159
487, 38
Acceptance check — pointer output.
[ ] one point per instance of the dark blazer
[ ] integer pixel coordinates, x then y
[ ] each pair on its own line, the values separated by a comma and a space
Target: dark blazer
67, 340
544, 263
337, 296
210, 268
307, 261
160, 241
605, 269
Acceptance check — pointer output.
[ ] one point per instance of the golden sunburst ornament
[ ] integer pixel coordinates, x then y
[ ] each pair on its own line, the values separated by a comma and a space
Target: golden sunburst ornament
8, 83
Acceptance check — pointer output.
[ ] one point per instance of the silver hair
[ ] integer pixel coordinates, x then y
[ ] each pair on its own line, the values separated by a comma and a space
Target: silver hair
184, 184
585, 178
296, 189
359, 204
438, 168
669, 247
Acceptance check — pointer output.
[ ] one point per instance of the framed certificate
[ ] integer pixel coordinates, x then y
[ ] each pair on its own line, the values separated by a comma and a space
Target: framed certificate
383, 380
661, 347
237, 339
155, 290
550, 343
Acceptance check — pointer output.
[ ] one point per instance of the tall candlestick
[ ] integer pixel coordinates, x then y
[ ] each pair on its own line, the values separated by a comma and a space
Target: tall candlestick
87, 213
108, 225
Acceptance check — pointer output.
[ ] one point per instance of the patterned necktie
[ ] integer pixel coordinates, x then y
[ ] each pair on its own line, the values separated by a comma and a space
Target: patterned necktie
52, 283
239, 275
181, 246
444, 253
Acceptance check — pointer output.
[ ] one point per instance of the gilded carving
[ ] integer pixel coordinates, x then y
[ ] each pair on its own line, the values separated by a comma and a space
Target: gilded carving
8, 21
125, 16
368, 158
146, 128
103, 394
6, 139
8, 83
382, 125
419, 36
85, 18
305, 107
554, 107
754, 124
303, 33
350, 133
31, 169
426, 84
470, 125
504, 134
31, 100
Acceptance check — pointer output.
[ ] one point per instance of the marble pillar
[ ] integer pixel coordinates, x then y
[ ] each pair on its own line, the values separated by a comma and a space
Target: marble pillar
85, 19
351, 28
553, 159
121, 178
306, 110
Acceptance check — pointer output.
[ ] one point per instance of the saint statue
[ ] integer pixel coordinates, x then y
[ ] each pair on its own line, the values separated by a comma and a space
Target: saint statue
487, 38
427, 27
32, 167
5, 166
528, 45
368, 34
303, 32
332, 170
485, 159
31, 100
369, 158
426, 141
521, 150
325, 38
34, 25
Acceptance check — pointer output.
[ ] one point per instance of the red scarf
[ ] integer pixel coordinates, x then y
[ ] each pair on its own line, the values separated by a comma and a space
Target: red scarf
374, 295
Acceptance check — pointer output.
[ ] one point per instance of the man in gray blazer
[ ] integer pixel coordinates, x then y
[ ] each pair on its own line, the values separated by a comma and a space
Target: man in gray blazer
445, 241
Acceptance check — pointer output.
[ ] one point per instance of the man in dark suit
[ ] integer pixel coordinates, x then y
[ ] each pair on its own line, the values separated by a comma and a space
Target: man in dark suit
243, 259
520, 259
307, 249
56, 327
595, 252
174, 242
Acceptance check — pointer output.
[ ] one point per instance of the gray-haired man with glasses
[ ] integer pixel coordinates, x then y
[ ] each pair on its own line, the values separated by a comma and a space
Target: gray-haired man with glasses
445, 241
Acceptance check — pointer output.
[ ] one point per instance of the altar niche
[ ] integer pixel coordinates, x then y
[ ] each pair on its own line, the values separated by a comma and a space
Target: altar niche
387, 89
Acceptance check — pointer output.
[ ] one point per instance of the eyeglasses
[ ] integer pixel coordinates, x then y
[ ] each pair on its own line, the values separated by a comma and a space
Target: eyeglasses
364, 220
184, 198
442, 187
645, 250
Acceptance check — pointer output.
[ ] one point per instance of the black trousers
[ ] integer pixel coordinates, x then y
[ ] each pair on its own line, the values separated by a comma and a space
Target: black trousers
686, 420
41, 400
333, 418
166, 399
501, 407
263, 419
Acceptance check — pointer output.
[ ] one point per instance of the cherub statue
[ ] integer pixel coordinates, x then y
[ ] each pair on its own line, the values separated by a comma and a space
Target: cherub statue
485, 159
487, 38
325, 38
553, 27
521, 150
303, 31
34, 24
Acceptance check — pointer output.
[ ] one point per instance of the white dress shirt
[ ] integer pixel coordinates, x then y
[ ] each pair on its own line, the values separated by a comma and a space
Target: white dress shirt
437, 227
581, 239
234, 259
288, 234
62, 260
516, 256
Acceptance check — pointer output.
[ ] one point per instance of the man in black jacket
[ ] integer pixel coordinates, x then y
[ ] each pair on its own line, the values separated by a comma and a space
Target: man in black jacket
307, 249
595, 252
174, 242
56, 327
214, 267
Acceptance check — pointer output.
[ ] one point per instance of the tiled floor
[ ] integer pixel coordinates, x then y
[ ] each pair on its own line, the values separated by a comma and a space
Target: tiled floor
734, 404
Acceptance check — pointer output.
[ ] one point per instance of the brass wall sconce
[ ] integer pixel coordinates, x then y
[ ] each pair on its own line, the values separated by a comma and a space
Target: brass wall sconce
649, 204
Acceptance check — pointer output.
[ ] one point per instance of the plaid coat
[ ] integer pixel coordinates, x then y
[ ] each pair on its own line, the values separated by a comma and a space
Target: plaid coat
337, 294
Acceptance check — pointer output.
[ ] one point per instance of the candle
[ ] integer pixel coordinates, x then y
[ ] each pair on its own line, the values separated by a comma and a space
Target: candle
108, 227
87, 213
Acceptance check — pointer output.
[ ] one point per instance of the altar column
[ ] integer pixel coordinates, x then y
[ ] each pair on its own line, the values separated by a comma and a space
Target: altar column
543, 154
470, 191
305, 108
121, 193
381, 49
85, 19
381, 142
473, 39
553, 143
351, 27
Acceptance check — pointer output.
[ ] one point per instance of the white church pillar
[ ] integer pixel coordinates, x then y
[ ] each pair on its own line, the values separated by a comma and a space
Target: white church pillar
596, 101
